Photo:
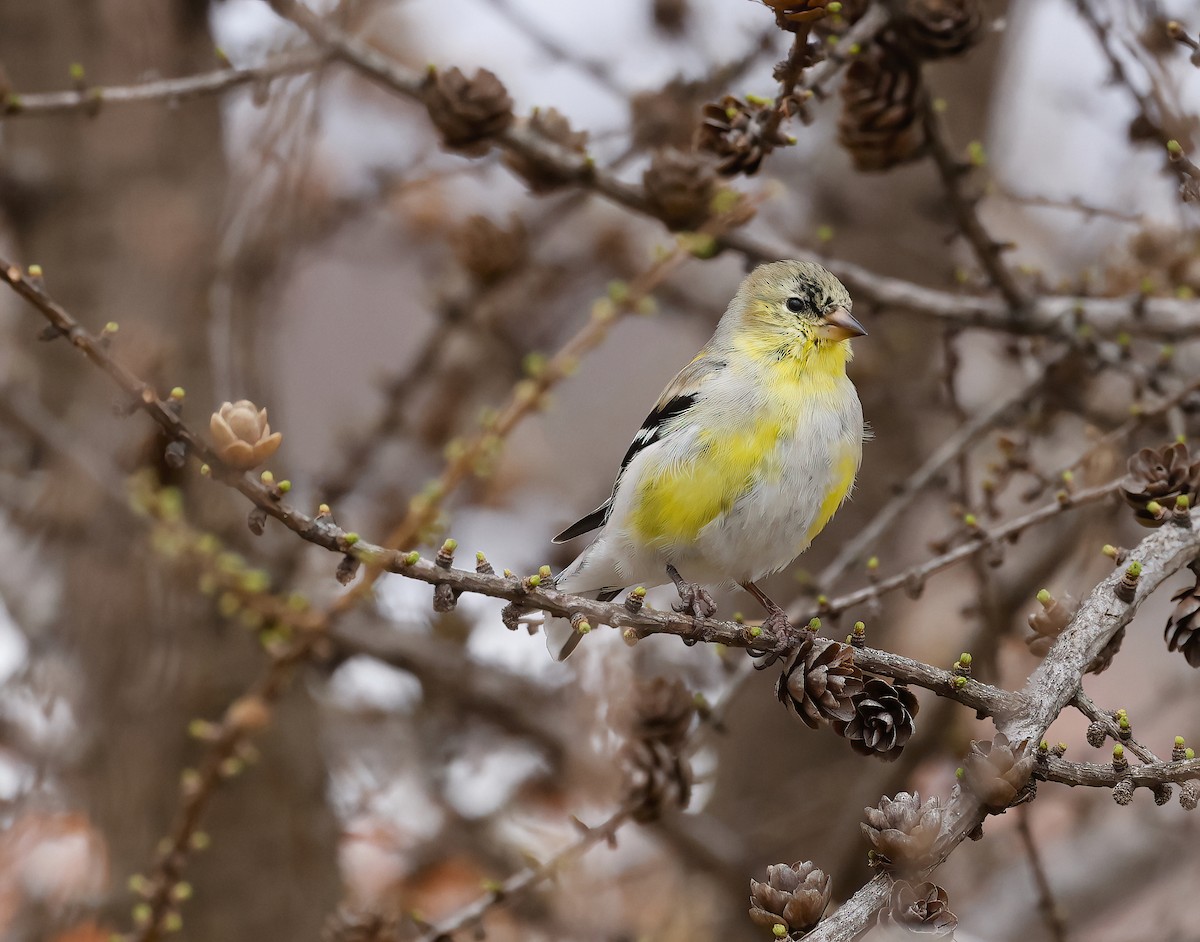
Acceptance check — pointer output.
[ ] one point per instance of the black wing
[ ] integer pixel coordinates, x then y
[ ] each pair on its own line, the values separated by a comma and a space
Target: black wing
650, 432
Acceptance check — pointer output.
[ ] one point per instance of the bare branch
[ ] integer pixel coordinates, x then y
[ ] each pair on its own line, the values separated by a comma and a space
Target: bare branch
91, 99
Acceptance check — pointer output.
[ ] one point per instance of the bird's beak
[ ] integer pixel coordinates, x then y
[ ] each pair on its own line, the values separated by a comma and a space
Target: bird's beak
840, 326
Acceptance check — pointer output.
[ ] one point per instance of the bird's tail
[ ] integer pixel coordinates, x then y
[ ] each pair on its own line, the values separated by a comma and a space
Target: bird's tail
591, 575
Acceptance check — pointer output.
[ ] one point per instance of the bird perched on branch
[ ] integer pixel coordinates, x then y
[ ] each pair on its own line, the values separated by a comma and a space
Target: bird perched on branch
748, 453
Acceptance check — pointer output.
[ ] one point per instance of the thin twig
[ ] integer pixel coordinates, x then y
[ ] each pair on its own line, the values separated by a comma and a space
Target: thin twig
966, 435
90, 99
988, 251
521, 882
1047, 905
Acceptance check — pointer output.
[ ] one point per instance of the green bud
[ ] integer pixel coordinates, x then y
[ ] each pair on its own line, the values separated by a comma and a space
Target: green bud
411, 559
1045, 597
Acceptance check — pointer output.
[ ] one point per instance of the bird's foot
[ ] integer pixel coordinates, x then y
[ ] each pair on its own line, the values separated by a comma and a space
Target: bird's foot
694, 599
778, 624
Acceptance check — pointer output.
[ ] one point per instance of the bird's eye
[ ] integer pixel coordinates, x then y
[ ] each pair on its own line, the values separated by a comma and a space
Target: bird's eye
795, 305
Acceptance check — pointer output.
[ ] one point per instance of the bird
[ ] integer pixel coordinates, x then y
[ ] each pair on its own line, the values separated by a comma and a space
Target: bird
748, 453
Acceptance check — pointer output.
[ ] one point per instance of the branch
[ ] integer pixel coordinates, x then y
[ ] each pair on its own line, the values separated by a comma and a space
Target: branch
522, 881
1048, 690
1162, 318
953, 171
90, 99
1098, 775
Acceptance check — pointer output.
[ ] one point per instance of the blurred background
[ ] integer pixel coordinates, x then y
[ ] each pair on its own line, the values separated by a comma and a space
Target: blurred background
305, 240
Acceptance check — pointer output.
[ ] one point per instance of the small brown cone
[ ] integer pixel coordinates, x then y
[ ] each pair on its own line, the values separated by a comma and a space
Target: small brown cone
1183, 626
468, 112
997, 774
921, 909
1160, 475
794, 897
880, 125
820, 681
738, 134
902, 831
883, 720
679, 189
936, 29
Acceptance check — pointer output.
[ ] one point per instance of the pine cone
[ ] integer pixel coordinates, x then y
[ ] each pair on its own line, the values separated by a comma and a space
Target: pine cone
935, 29
997, 774
1048, 622
543, 176
487, 250
1160, 475
820, 681
738, 134
796, 15
663, 711
657, 777
923, 908
468, 112
680, 189
1183, 627
794, 897
667, 116
883, 720
879, 124
902, 831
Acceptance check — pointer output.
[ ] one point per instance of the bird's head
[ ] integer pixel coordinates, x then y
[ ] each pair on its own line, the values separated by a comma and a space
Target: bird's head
796, 309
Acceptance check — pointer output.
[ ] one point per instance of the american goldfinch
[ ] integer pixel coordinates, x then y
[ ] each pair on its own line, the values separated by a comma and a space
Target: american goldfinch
744, 459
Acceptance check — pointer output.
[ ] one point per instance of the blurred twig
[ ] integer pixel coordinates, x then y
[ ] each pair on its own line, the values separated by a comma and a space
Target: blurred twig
471, 915
1047, 905
988, 250
91, 99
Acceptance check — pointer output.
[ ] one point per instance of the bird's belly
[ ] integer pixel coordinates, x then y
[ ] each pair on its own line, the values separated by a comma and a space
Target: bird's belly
775, 521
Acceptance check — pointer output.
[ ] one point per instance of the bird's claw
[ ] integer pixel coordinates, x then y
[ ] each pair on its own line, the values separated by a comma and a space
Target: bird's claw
695, 600
778, 624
